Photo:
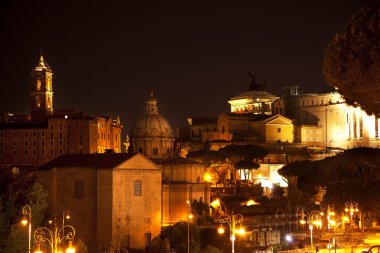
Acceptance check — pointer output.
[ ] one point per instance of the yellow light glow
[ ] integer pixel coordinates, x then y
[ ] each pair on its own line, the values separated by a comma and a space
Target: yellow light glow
68, 217
221, 230
251, 202
24, 221
356, 210
318, 223
322, 213
332, 222
207, 177
332, 213
191, 216
38, 250
241, 231
346, 209
215, 203
345, 218
302, 222
70, 249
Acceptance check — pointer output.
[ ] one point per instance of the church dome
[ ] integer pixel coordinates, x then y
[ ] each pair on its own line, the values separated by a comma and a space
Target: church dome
152, 124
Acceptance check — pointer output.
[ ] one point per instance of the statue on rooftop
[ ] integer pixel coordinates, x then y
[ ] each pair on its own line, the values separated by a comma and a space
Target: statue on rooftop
254, 86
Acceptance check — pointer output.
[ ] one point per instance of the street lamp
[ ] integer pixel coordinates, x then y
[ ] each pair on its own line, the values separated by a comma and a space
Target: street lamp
351, 207
232, 220
188, 232
54, 237
188, 226
329, 208
27, 212
312, 218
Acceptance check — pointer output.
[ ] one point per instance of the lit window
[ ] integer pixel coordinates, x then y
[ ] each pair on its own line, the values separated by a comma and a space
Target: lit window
137, 186
78, 189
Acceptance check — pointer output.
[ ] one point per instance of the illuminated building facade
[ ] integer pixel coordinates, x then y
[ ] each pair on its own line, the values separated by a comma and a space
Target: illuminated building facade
152, 134
182, 178
341, 125
46, 134
114, 199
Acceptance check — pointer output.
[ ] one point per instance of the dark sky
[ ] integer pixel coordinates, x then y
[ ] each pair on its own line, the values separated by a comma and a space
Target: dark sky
107, 55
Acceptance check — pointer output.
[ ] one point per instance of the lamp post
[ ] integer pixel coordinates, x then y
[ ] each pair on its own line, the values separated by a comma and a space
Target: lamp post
351, 207
65, 215
232, 220
312, 218
54, 237
27, 212
190, 217
335, 225
188, 232
329, 208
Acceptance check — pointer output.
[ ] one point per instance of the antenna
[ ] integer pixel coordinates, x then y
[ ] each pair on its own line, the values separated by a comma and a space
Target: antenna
40, 49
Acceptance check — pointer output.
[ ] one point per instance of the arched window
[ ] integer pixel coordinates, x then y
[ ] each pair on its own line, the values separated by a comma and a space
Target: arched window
78, 189
137, 187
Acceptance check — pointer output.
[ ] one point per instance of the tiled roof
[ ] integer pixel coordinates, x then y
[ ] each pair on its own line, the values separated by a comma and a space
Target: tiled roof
87, 160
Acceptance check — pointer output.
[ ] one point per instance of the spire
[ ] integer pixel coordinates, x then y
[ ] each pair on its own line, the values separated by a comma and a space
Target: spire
151, 104
42, 65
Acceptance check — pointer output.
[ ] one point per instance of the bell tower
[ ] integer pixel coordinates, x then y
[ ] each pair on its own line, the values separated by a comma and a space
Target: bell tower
42, 91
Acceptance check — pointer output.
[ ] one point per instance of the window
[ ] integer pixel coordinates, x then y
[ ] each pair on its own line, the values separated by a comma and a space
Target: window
1, 135
42, 143
155, 151
15, 143
278, 130
26, 152
222, 129
148, 239
78, 189
26, 134
15, 135
26, 144
15, 152
137, 187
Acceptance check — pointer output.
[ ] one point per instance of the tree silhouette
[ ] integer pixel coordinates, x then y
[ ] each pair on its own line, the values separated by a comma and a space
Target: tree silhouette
352, 60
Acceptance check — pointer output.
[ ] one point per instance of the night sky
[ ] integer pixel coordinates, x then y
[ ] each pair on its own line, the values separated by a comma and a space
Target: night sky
107, 55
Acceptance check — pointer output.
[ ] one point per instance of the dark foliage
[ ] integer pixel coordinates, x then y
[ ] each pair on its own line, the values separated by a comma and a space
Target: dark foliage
352, 60
353, 175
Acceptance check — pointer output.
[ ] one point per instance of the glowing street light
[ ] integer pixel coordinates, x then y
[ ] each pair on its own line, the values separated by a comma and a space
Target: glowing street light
351, 207
188, 226
54, 237
329, 208
312, 218
232, 221
27, 220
